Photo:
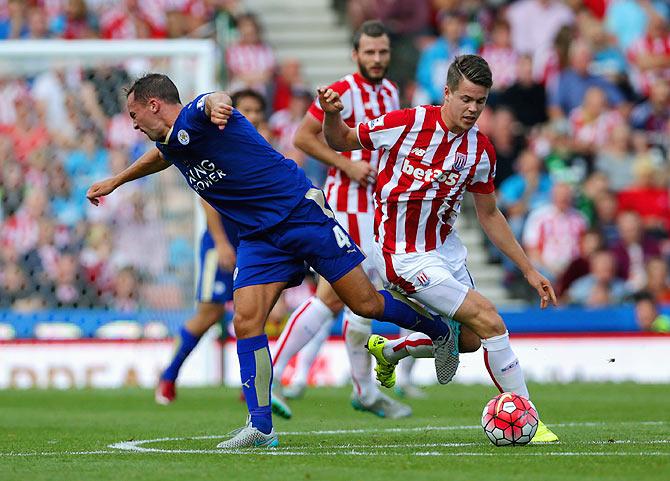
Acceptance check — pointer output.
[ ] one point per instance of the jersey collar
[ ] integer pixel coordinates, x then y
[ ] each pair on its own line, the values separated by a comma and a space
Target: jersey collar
167, 137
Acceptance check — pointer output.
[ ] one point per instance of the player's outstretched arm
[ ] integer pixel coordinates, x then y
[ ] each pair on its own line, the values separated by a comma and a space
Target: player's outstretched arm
308, 139
149, 163
497, 229
219, 108
338, 134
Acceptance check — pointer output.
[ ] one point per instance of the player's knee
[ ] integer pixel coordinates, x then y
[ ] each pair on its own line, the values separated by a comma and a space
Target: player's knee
488, 322
247, 325
369, 308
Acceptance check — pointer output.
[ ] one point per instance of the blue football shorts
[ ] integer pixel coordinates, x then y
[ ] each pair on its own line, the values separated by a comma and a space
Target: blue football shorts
309, 235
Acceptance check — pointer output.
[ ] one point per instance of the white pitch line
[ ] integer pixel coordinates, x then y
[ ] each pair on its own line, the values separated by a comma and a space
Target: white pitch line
57, 453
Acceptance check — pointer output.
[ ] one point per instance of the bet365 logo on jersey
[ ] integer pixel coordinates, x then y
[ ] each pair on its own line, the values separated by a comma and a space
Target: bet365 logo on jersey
430, 175
204, 175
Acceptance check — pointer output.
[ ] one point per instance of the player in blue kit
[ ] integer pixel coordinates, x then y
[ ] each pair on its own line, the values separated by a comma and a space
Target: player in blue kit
218, 246
283, 222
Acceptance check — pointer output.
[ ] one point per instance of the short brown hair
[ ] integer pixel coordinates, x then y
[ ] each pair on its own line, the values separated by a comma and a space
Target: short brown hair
371, 28
154, 85
471, 67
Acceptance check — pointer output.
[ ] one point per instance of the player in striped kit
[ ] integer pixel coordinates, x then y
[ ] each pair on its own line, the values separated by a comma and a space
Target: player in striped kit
431, 155
365, 94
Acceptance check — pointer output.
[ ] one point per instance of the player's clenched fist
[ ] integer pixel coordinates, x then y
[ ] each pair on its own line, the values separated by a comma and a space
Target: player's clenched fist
329, 100
219, 108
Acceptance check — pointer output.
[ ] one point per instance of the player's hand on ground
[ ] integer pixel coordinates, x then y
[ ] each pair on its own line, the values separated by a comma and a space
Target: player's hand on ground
220, 113
329, 100
361, 172
100, 189
543, 287
227, 257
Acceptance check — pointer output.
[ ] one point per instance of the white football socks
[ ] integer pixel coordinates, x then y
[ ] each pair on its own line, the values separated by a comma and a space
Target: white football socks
301, 327
357, 329
503, 365
308, 354
416, 345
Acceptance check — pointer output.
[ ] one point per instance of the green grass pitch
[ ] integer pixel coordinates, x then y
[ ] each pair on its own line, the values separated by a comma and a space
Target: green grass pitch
608, 432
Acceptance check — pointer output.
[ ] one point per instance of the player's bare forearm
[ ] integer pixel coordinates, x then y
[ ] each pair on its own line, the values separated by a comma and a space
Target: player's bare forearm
339, 135
149, 163
497, 229
219, 107
215, 225
307, 138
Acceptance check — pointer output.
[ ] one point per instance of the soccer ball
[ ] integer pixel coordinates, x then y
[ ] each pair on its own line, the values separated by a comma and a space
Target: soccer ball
510, 420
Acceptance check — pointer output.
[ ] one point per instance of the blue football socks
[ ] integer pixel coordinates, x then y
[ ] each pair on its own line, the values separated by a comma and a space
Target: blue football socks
256, 375
187, 343
405, 315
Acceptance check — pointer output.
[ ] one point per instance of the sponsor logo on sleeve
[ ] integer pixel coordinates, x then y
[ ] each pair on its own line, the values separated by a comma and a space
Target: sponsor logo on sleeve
374, 123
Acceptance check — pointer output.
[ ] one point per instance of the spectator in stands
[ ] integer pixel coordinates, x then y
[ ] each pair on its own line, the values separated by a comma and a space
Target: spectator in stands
646, 197
21, 230
38, 23
650, 56
526, 98
434, 61
126, 293
591, 242
533, 37
17, 292
552, 232
12, 187
657, 280
615, 159
528, 189
88, 161
606, 208
40, 262
506, 136
647, 316
633, 250
653, 115
592, 123
96, 257
567, 91
608, 60
285, 123
69, 288
501, 57
14, 24
627, 19
128, 19
66, 206
250, 61
288, 79
26, 132
600, 287
79, 23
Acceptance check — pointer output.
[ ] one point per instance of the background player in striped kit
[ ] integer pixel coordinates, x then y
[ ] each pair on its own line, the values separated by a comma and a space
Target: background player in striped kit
431, 156
218, 245
365, 94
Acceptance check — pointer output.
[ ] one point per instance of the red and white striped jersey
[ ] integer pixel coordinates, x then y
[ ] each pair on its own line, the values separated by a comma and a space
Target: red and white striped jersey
362, 102
423, 172
643, 80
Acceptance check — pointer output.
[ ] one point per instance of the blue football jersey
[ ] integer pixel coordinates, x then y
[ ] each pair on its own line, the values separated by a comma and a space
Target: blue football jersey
235, 169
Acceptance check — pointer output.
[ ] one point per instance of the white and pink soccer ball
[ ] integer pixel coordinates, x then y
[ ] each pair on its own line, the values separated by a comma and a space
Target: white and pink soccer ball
510, 420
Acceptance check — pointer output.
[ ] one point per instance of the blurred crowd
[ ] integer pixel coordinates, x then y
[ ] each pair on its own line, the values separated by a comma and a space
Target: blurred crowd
579, 116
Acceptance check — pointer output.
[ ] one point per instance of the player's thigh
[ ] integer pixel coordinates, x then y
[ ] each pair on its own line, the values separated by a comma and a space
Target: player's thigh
480, 315
327, 295
358, 293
